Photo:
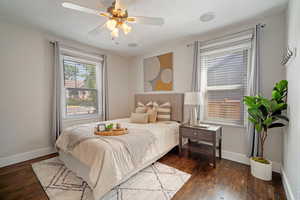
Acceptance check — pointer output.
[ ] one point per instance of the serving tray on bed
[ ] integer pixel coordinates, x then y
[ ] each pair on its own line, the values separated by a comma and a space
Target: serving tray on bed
114, 132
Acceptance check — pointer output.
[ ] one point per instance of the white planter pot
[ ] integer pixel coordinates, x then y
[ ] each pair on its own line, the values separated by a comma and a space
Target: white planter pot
261, 170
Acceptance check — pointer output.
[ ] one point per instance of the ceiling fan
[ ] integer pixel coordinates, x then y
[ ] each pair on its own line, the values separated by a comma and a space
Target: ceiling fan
117, 17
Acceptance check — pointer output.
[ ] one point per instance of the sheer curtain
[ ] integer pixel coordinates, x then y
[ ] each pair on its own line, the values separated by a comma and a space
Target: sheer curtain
196, 75
104, 103
254, 85
56, 126
195, 87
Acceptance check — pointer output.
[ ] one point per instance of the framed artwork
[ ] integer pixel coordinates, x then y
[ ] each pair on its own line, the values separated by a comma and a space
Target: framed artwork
158, 73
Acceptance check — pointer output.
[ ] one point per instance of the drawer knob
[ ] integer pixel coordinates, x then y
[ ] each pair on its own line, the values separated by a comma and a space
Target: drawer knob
195, 133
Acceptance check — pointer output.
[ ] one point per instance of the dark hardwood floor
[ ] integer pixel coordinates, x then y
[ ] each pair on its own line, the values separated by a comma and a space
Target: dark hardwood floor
229, 181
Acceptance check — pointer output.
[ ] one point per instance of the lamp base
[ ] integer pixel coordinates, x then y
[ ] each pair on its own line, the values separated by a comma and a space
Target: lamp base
193, 117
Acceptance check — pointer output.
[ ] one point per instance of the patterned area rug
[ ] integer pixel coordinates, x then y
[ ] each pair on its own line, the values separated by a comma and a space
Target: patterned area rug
156, 182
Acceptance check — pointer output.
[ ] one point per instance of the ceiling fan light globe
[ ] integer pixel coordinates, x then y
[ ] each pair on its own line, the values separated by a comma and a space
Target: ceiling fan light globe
111, 24
126, 29
115, 33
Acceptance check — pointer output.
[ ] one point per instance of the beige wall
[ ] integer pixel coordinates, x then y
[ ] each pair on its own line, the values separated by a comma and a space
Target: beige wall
272, 71
291, 150
118, 86
26, 87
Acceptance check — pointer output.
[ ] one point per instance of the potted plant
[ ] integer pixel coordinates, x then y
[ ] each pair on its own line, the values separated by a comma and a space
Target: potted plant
109, 127
265, 114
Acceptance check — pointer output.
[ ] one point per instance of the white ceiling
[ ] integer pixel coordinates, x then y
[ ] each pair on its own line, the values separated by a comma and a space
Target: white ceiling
181, 19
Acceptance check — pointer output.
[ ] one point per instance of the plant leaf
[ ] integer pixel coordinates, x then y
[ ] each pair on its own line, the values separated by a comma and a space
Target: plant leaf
258, 127
276, 95
276, 125
281, 106
255, 113
254, 121
281, 85
267, 104
282, 117
268, 121
280, 91
250, 101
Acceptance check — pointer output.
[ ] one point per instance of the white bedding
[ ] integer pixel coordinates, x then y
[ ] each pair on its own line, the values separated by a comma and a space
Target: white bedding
110, 163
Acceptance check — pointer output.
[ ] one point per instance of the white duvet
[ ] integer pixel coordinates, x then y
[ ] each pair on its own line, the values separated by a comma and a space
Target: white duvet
110, 162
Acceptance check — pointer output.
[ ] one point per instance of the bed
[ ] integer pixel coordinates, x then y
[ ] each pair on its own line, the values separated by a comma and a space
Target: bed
106, 162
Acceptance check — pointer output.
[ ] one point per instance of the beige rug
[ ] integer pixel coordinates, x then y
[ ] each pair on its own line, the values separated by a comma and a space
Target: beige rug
156, 182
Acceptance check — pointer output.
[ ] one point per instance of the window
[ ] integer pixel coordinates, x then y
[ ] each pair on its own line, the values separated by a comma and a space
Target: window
224, 84
81, 88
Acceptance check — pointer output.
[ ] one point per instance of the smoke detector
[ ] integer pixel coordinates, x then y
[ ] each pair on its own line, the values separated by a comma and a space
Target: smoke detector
206, 17
132, 45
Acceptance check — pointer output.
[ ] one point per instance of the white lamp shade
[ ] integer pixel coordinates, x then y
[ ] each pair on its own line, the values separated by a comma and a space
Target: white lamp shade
192, 98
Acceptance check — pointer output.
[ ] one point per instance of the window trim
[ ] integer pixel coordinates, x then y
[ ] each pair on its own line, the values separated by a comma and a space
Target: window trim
222, 124
228, 41
224, 87
98, 66
232, 49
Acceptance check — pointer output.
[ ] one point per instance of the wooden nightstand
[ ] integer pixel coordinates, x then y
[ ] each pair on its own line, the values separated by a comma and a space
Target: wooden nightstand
201, 140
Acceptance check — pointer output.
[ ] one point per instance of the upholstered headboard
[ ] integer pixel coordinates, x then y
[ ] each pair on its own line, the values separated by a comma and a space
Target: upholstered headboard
176, 100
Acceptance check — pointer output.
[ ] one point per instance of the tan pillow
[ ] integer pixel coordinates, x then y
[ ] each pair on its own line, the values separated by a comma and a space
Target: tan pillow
141, 118
141, 110
152, 115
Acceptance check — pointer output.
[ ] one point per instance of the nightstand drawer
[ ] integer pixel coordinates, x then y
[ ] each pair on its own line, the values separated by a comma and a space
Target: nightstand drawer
195, 134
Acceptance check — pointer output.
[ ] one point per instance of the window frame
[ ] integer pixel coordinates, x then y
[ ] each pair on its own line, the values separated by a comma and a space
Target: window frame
98, 66
232, 49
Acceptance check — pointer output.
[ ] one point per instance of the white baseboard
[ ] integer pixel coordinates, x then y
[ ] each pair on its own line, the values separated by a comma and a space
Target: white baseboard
242, 158
9, 160
287, 186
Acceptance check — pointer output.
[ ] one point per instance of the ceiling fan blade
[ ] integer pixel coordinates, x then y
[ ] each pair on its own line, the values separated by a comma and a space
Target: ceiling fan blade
98, 29
104, 14
123, 3
80, 8
155, 21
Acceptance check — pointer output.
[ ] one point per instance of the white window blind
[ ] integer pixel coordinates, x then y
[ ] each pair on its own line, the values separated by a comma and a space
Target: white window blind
224, 82
81, 87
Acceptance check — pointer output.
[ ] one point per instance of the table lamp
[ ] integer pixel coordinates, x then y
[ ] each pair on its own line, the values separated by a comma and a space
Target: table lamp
192, 100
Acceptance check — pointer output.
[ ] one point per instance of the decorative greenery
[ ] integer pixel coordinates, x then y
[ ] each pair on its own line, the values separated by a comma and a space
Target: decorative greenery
267, 113
109, 127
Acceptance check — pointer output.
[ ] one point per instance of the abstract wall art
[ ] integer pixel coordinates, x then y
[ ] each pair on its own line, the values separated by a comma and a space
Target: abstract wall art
158, 73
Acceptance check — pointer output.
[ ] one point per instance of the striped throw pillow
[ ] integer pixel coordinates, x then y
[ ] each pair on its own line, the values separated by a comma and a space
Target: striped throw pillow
142, 108
163, 111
